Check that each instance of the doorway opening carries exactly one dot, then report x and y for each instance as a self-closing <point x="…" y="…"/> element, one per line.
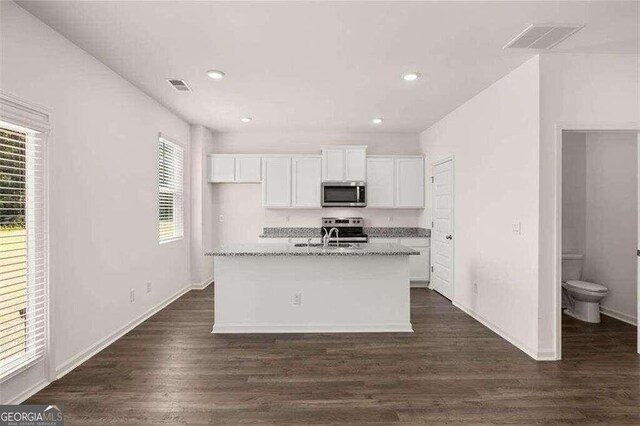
<point x="598" y="286"/>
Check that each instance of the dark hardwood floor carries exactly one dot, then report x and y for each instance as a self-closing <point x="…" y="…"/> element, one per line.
<point x="172" y="370"/>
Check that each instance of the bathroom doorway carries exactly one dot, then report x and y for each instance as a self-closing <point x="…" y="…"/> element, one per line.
<point x="599" y="242"/>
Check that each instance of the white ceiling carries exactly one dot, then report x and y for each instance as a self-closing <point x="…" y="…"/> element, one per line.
<point x="324" y="66"/>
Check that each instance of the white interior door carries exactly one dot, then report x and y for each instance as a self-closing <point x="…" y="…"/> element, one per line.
<point x="442" y="238"/>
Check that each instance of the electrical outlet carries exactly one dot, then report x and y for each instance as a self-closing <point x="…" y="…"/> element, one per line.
<point x="475" y="288"/>
<point x="297" y="298"/>
<point x="221" y="218"/>
<point x="132" y="296"/>
<point x="287" y="218"/>
<point x="148" y="286"/>
<point x="390" y="219"/>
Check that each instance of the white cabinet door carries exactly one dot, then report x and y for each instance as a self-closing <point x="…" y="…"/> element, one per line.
<point x="419" y="265"/>
<point x="356" y="164"/>
<point x="248" y="169"/>
<point x="333" y="164"/>
<point x="306" y="175"/>
<point x="410" y="182"/>
<point x="222" y="168"/>
<point x="276" y="185"/>
<point x="380" y="182"/>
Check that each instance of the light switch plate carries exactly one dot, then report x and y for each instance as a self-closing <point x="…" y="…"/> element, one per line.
<point x="516" y="228"/>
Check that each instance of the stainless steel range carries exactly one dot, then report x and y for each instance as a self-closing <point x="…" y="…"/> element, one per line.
<point x="344" y="230"/>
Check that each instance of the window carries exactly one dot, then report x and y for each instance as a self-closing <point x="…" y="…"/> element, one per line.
<point x="171" y="191"/>
<point x="23" y="273"/>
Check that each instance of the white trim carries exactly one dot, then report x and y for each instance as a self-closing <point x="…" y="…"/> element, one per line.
<point x="19" y="399"/>
<point x="538" y="356"/>
<point x="174" y="141"/>
<point x="312" y="328"/>
<point x="36" y="117"/>
<point x="23" y="113"/>
<point x="86" y="354"/>
<point x="557" y="222"/>
<point x="620" y="316"/>
<point x="204" y="284"/>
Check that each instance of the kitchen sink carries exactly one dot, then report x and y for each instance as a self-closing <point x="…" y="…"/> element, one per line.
<point x="330" y="247"/>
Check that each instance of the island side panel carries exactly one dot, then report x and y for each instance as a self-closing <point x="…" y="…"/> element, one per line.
<point x="254" y="294"/>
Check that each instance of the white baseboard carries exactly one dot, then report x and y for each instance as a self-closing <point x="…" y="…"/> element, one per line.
<point x="312" y="328"/>
<point x="202" y="285"/>
<point x="83" y="356"/>
<point x="19" y="399"/>
<point x="538" y="356"/>
<point x="419" y="284"/>
<point x="629" y="319"/>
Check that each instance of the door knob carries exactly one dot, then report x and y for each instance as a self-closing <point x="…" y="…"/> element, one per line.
<point x="449" y="237"/>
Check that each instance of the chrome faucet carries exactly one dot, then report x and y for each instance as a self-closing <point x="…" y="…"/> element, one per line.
<point x="327" y="237"/>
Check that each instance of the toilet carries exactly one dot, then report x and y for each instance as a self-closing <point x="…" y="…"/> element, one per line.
<point x="583" y="297"/>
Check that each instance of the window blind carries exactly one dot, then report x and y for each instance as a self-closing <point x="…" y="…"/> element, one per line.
<point x="23" y="257"/>
<point x="171" y="190"/>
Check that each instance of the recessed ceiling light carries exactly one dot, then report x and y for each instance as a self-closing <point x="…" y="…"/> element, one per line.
<point x="246" y="119"/>
<point x="411" y="76"/>
<point x="215" y="74"/>
<point x="377" y="120"/>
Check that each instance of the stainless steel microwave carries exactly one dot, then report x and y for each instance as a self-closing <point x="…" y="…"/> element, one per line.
<point x="344" y="194"/>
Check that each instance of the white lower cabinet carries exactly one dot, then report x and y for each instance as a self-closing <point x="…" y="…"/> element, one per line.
<point x="419" y="265"/>
<point x="276" y="185"/>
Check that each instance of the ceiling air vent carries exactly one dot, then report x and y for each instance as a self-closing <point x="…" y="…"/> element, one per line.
<point x="179" y="85"/>
<point x="542" y="36"/>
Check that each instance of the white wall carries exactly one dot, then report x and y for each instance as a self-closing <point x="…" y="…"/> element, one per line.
<point x="494" y="139"/>
<point x="103" y="190"/>
<point x="611" y="219"/>
<point x="580" y="91"/>
<point x="241" y="204"/>
<point x="201" y="207"/>
<point x="574" y="193"/>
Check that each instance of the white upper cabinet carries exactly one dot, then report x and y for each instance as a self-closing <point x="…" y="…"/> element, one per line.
<point x="356" y="164"/>
<point x="344" y="163"/>
<point x="333" y="164"/>
<point x="222" y="168"/>
<point x="248" y="169"/>
<point x="395" y="181"/>
<point x="306" y="180"/>
<point x="380" y="182"/>
<point x="409" y="182"/>
<point x="276" y="185"/>
<point x="234" y="168"/>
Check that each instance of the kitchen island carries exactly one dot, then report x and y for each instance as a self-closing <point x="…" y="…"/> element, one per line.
<point x="282" y="288"/>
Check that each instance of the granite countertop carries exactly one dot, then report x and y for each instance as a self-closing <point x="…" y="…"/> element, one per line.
<point x="373" y="232"/>
<point x="279" y="249"/>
